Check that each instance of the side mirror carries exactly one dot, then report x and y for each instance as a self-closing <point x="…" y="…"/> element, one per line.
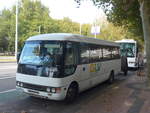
<point x="18" y="56"/>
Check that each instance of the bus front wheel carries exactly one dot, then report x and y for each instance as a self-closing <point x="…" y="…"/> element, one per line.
<point x="72" y="93"/>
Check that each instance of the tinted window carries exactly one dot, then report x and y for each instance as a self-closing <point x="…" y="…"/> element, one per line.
<point x="115" y="53"/>
<point x="107" y="53"/>
<point x="84" y="53"/>
<point x="70" y="54"/>
<point x="41" y="53"/>
<point x="41" y="58"/>
<point x="70" y="58"/>
<point x="95" y="53"/>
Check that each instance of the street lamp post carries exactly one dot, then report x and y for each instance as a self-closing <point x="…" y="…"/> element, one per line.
<point x="95" y="30"/>
<point x="80" y="28"/>
<point x="16" y="36"/>
<point x="40" y="29"/>
<point x="78" y="6"/>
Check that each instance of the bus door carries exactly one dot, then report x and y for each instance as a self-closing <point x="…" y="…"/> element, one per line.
<point x="70" y="60"/>
<point x="83" y="67"/>
<point x="76" y="64"/>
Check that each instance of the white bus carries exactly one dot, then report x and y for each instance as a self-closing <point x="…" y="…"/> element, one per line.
<point x="128" y="48"/>
<point x="58" y="66"/>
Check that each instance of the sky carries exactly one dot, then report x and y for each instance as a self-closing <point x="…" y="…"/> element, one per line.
<point x="86" y="13"/>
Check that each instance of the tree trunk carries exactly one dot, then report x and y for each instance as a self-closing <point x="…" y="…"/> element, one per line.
<point x="145" y="14"/>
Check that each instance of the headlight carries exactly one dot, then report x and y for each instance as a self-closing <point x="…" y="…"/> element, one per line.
<point x="53" y="90"/>
<point x="48" y="89"/>
<point x="18" y="83"/>
<point x="21" y="84"/>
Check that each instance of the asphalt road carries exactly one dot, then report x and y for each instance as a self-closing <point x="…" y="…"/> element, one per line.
<point x="90" y="101"/>
<point x="7" y="76"/>
<point x="7" y="69"/>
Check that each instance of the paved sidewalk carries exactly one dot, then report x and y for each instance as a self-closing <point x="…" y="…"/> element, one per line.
<point x="6" y="59"/>
<point x="131" y="96"/>
<point x="140" y="94"/>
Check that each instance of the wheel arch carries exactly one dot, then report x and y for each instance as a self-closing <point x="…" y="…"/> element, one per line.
<point x="74" y="83"/>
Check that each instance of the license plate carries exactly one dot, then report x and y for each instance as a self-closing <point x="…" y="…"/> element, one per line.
<point x="33" y="92"/>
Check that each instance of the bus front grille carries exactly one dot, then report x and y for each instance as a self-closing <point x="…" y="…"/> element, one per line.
<point x="34" y="87"/>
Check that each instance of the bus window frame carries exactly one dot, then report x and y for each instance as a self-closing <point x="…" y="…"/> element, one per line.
<point x="101" y="47"/>
<point x="76" y="58"/>
<point x="79" y="52"/>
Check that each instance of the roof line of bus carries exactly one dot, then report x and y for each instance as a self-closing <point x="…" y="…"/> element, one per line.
<point x="126" y="41"/>
<point x="71" y="37"/>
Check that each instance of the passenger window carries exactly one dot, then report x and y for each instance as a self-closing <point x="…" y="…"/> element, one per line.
<point x="84" y="54"/>
<point x="70" y="59"/>
<point x="107" y="53"/>
<point x="115" y="53"/>
<point x="70" y="54"/>
<point x="95" y="53"/>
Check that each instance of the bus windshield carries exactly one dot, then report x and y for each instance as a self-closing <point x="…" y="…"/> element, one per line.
<point x="41" y="58"/>
<point x="127" y="49"/>
<point x="41" y="53"/>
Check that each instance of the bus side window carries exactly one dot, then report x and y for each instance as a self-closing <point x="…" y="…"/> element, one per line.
<point x="95" y="53"/>
<point x="70" y="59"/>
<point x="70" y="54"/>
<point x="107" y="53"/>
<point x="84" y="53"/>
<point x="115" y="53"/>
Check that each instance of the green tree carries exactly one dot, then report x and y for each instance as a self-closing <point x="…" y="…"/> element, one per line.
<point x="135" y="15"/>
<point x="34" y="18"/>
<point x="67" y="26"/>
<point x="6" y="29"/>
<point x="86" y="29"/>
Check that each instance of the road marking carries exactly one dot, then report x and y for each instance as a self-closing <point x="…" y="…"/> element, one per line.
<point x="7" y="77"/>
<point x="7" y="91"/>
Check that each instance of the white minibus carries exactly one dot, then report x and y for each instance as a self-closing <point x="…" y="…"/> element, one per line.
<point x="58" y="66"/>
<point x="128" y="48"/>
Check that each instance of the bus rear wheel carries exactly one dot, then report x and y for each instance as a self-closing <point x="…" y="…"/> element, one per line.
<point x="111" y="78"/>
<point x="71" y="93"/>
<point x="125" y="72"/>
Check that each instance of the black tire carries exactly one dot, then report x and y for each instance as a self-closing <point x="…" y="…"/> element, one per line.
<point x="111" y="78"/>
<point x="125" y="72"/>
<point x="124" y="65"/>
<point x="72" y="93"/>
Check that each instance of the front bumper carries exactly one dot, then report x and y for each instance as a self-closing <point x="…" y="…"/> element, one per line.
<point x="42" y="94"/>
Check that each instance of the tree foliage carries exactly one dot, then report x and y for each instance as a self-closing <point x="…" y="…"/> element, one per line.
<point x="34" y="18"/>
<point x="134" y="15"/>
<point x="124" y="13"/>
